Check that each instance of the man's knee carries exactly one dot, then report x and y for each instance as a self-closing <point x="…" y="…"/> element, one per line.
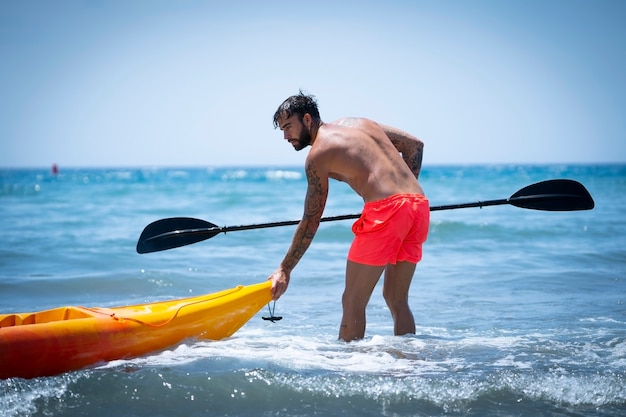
<point x="395" y="301"/>
<point x="353" y="302"/>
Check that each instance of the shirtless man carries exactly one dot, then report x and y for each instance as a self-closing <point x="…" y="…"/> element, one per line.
<point x="382" y="165"/>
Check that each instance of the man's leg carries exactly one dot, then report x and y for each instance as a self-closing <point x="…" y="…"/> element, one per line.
<point x="396" y="293"/>
<point x="360" y="282"/>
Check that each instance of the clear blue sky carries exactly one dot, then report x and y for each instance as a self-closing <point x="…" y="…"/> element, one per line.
<point x="177" y="83"/>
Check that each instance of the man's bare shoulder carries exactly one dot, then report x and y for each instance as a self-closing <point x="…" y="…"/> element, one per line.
<point x="334" y="138"/>
<point x="351" y="127"/>
<point x="355" y="122"/>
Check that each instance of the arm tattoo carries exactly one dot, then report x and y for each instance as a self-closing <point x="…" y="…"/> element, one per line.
<point x="411" y="148"/>
<point x="314" y="203"/>
<point x="416" y="165"/>
<point x="316" y="194"/>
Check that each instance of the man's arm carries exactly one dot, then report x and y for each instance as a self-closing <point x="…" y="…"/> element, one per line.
<point x="411" y="148"/>
<point x="314" y="203"/>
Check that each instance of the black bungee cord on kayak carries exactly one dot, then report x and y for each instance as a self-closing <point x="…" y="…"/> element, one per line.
<point x="271" y="309"/>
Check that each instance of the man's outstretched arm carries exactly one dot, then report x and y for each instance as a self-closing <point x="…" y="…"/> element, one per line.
<point x="314" y="203"/>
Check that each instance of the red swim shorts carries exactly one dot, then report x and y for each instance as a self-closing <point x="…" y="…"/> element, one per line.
<point x="391" y="230"/>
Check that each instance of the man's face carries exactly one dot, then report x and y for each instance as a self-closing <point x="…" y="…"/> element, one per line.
<point x="295" y="132"/>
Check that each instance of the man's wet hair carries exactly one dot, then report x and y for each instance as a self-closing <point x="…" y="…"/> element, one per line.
<point x="298" y="105"/>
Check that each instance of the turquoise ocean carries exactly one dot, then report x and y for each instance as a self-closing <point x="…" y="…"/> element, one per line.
<point x="518" y="312"/>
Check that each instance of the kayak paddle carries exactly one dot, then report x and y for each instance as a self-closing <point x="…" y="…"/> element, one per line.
<point x="550" y="195"/>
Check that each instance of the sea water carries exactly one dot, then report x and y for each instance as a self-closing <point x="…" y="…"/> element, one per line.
<point x="519" y="312"/>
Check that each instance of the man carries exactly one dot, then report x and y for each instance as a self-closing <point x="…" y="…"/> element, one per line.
<point x="382" y="165"/>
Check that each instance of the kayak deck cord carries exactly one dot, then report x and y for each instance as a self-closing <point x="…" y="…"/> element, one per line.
<point x="116" y="317"/>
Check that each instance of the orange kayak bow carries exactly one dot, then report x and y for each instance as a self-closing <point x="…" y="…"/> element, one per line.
<point x="53" y="341"/>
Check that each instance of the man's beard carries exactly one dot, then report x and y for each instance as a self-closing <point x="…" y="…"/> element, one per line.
<point x="303" y="141"/>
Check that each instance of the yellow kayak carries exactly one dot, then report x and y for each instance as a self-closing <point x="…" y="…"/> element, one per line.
<point x="53" y="341"/>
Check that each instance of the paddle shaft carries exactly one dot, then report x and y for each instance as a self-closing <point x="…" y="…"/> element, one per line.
<point x="283" y="223"/>
<point x="551" y="195"/>
<point x="224" y="229"/>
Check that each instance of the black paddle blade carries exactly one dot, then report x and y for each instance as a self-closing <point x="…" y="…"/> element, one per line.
<point x="174" y="232"/>
<point x="553" y="195"/>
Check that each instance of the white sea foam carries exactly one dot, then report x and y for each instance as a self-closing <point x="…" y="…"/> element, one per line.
<point x="280" y="174"/>
<point x="19" y="397"/>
